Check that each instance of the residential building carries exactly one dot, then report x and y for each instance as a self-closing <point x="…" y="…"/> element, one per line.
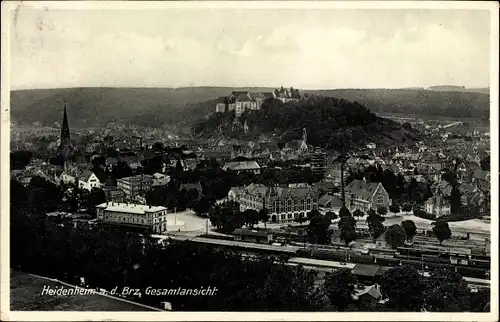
<point x="283" y="203"/>
<point x="89" y="180"/>
<point x="438" y="206"/>
<point x="369" y="295"/>
<point x="364" y="195"/>
<point x="133" y="215"/>
<point x="242" y="166"/>
<point x="133" y="186"/>
<point x="234" y="194"/>
<point x="160" y="179"/>
<point x="329" y="203"/>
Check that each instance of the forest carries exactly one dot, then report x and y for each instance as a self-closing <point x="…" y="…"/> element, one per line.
<point x="330" y="123"/>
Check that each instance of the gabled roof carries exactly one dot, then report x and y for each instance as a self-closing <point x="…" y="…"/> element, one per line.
<point x="333" y="200"/>
<point x="86" y="175"/>
<point x="372" y="291"/>
<point x="362" y="188"/>
<point x="365" y="270"/>
<point x="241" y="165"/>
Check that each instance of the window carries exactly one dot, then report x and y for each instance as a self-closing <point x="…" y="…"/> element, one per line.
<point x="380" y="199"/>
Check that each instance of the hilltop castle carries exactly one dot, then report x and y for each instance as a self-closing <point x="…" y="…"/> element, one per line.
<point x="241" y="101"/>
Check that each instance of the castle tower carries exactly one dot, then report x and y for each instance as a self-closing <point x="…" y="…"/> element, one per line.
<point x="65" y="146"/>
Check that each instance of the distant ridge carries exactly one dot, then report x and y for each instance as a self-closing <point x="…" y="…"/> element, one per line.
<point x="184" y="106"/>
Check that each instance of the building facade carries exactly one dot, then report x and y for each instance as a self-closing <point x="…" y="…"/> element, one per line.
<point x="363" y="195"/>
<point x="437" y="206"/>
<point x="133" y="215"/>
<point x="133" y="186"/>
<point x="88" y="180"/>
<point x="283" y="203"/>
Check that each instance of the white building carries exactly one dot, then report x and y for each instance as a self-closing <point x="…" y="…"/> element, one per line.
<point x="133" y="215"/>
<point x="89" y="180"/>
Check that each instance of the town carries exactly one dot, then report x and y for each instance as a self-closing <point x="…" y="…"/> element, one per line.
<point x="357" y="217"/>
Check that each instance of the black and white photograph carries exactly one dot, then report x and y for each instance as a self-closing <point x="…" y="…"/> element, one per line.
<point x="311" y="158"/>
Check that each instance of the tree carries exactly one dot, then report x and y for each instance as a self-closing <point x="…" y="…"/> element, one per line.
<point x="202" y="207"/>
<point x="358" y="213"/>
<point x="394" y="209"/>
<point x="158" y="146"/>
<point x="446" y="291"/>
<point x="347" y="226"/>
<point x="318" y="230"/>
<point x="485" y="163"/>
<point x="382" y="211"/>
<point x="404" y="287"/>
<point x="441" y="230"/>
<point x="331" y="215"/>
<point x="409" y="228"/>
<point x="375" y="224"/>
<point x="339" y="287"/>
<point x="344" y="212"/>
<point x="480" y="301"/>
<point x="94" y="198"/>
<point x="264" y="216"/>
<point x="251" y="217"/>
<point x="395" y="236"/>
<point x="455" y="200"/>
<point x="406" y="208"/>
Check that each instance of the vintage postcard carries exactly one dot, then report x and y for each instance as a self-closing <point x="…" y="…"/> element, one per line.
<point x="249" y="160"/>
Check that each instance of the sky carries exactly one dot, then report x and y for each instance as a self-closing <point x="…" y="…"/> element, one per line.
<point x="303" y="48"/>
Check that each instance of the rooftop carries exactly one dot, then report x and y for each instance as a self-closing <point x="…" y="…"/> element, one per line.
<point x="130" y="208"/>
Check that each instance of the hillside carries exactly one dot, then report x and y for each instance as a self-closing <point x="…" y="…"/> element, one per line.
<point x="424" y="102"/>
<point x="330" y="123"/>
<point x="88" y="107"/>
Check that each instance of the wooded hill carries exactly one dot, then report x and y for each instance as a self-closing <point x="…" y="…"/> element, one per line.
<point x="330" y="123"/>
<point x="88" y="107"/>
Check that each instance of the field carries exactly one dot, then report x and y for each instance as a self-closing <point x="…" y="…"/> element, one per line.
<point x="26" y="295"/>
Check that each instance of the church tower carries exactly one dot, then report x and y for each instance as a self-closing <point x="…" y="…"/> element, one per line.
<point x="304" y="135"/>
<point x="65" y="146"/>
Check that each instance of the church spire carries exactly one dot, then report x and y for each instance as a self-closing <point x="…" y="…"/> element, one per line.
<point x="65" y="127"/>
<point x="65" y="147"/>
<point x="304" y="135"/>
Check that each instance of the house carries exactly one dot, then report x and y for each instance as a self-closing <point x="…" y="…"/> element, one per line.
<point x="438" y="206"/>
<point x="364" y="195"/>
<point x="443" y="188"/>
<point x="368" y="295"/>
<point x="253" y="236"/>
<point x="329" y="203"/>
<point x="371" y="146"/>
<point x="88" y="180"/>
<point x="242" y="166"/>
<point x="234" y="194"/>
